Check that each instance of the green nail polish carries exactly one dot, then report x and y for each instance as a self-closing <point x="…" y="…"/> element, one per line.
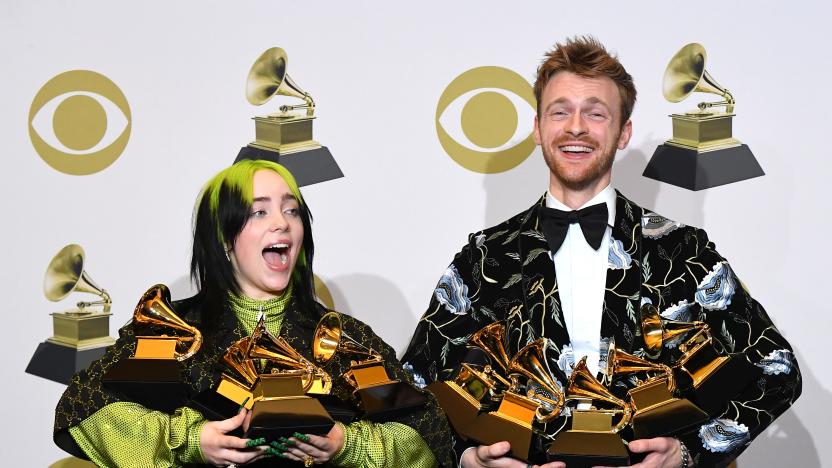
<point x="279" y="446"/>
<point x="302" y="437"/>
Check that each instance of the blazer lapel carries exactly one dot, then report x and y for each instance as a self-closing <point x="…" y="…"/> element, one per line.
<point x="542" y="315"/>
<point x="622" y="295"/>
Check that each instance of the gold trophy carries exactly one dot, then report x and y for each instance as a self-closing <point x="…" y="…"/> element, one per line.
<point x="657" y="411"/>
<point x="593" y="438"/>
<point x="377" y="394"/>
<point x="469" y="398"/>
<point x="712" y="375"/>
<point x="703" y="152"/>
<point x="152" y="375"/>
<point x="80" y="335"/>
<point x="285" y="137"/>
<point x="280" y="403"/>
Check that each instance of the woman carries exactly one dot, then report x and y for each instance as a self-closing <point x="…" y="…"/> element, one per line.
<point x="252" y="254"/>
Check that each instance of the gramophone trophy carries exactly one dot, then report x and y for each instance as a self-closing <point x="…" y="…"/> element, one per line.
<point x="470" y="399"/>
<point x="593" y="438"/>
<point x="80" y="335"/>
<point x="285" y="137"/>
<point x="703" y="152"/>
<point x="152" y="375"/>
<point x="267" y="375"/>
<point x="377" y="394"/>
<point x="712" y="375"/>
<point x="657" y="411"/>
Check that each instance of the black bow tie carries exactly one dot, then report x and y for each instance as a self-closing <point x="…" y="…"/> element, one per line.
<point x="555" y="223"/>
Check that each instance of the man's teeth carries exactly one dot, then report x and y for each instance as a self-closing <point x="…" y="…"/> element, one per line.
<point x="576" y="149"/>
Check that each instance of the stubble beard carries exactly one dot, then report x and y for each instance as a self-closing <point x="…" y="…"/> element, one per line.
<point x="580" y="179"/>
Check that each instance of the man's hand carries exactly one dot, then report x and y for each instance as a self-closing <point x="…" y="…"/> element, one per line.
<point x="220" y="449"/>
<point x="494" y="456"/>
<point x="662" y="452"/>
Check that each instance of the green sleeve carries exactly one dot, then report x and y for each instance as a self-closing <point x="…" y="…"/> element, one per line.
<point x="122" y="434"/>
<point x="368" y="444"/>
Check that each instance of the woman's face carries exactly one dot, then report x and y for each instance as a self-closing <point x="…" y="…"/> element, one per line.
<point x="266" y="250"/>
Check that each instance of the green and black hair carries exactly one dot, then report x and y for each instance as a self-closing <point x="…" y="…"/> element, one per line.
<point x="222" y="210"/>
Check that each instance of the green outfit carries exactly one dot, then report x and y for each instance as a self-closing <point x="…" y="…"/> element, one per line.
<point x="115" y="433"/>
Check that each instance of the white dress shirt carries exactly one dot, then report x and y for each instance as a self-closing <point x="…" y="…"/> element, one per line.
<point x="582" y="277"/>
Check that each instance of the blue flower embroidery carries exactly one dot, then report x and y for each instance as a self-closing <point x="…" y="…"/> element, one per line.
<point x="418" y="380"/>
<point x="679" y="311"/>
<point x="723" y="435"/>
<point x="618" y="259"/>
<point x="655" y="226"/>
<point x="717" y="288"/>
<point x="779" y="361"/>
<point x="566" y="360"/>
<point x="452" y="292"/>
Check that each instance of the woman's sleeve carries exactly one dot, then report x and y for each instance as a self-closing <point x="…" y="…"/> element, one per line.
<point x="368" y="444"/>
<point x="122" y="434"/>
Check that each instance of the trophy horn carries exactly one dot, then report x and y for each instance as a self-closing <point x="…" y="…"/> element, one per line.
<point x="621" y="362"/>
<point x="283" y="357"/>
<point x="658" y="331"/>
<point x="154" y="309"/>
<point x="66" y="274"/>
<point x="330" y="338"/>
<point x="268" y="78"/>
<point x="686" y="74"/>
<point x="584" y="386"/>
<point x="236" y="362"/>
<point x="491" y="340"/>
<point x="531" y="362"/>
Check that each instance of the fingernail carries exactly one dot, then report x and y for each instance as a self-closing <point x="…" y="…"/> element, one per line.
<point x="256" y="442"/>
<point x="302" y="437"/>
<point x="279" y="446"/>
<point x="286" y="441"/>
<point x="274" y="451"/>
<point x="243" y="404"/>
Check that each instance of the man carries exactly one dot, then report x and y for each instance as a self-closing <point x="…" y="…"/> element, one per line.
<point x="567" y="284"/>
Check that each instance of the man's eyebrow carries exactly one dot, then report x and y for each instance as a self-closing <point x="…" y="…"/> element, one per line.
<point x="595" y="100"/>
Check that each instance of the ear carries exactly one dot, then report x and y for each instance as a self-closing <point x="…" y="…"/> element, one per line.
<point x="626" y="133"/>
<point x="536" y="130"/>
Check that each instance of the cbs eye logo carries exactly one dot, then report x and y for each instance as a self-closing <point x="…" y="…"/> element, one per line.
<point x="484" y="119"/>
<point x="79" y="122"/>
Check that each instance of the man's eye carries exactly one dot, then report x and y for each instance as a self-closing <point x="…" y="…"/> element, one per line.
<point x="597" y="116"/>
<point x="557" y="115"/>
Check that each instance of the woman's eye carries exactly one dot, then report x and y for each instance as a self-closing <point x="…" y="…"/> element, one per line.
<point x="258" y="213"/>
<point x="291" y="211"/>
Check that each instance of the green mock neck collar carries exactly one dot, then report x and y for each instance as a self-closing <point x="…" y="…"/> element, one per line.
<point x="248" y="310"/>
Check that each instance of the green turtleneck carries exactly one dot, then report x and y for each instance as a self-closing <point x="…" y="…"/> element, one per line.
<point x="248" y="310"/>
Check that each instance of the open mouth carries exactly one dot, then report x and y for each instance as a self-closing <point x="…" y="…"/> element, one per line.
<point x="277" y="254"/>
<point x="576" y="149"/>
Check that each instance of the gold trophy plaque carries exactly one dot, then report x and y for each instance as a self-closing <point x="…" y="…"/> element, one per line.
<point x="286" y="136"/>
<point x="80" y="335"/>
<point x="703" y="152"/>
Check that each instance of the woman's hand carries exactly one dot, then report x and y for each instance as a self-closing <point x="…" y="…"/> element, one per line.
<point x="495" y="456"/>
<point x="662" y="452"/>
<point x="220" y="449"/>
<point x="311" y="449"/>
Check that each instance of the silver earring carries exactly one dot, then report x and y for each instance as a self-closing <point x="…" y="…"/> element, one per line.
<point x="227" y="257"/>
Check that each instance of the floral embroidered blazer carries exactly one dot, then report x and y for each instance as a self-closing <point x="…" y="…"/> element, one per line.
<point x="505" y="273"/>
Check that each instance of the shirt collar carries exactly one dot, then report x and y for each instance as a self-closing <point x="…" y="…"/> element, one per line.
<point x="604" y="196"/>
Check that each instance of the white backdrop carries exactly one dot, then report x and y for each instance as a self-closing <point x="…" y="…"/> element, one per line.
<point x="386" y="231"/>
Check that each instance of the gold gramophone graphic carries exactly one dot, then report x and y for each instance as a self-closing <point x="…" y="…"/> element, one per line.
<point x="152" y="375"/>
<point x="80" y="335"/>
<point x="657" y="411"/>
<point x="469" y="398"/>
<point x="703" y="152"/>
<point x="286" y="136"/>
<point x="593" y="438"/>
<point x="712" y="375"/>
<point x="377" y="394"/>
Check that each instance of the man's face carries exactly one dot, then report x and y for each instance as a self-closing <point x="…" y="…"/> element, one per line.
<point x="579" y="130"/>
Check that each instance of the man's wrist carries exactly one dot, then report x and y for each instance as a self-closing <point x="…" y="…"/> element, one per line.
<point x="685" y="455"/>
